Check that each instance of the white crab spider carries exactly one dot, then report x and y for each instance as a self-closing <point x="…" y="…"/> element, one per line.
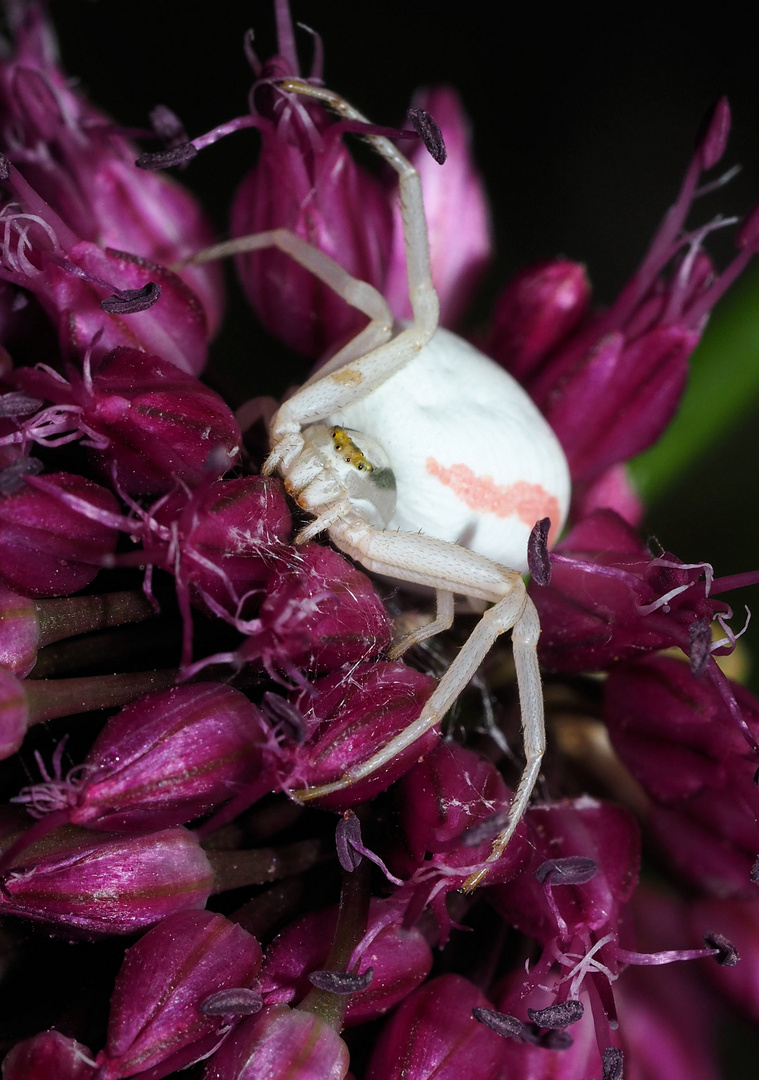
<point x="426" y="462"/>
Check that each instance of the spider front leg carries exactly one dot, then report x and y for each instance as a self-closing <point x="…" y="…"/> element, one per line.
<point x="449" y="569"/>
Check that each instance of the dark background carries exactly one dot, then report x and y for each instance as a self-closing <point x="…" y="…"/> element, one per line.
<point x="583" y="127"/>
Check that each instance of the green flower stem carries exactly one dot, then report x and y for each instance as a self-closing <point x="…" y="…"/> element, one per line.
<point x="351" y="927"/>
<point x="239" y="869"/>
<point x="71" y="615"/>
<point x="47" y="699"/>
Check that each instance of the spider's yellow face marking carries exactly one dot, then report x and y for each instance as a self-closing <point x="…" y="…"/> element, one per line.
<point x="348" y="450"/>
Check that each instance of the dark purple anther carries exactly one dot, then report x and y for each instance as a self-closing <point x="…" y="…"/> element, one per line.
<point x="166" y="159"/>
<point x="237" y="1001"/>
<point x="755" y="868"/>
<point x="700" y="633"/>
<point x="341" y="982"/>
<point x="557" y="1016"/>
<point x="612" y="1063"/>
<point x="130" y="301"/>
<point x="538" y="559"/>
<point x="574" y="870"/>
<point x="348" y="841"/>
<point x="428" y="129"/>
<point x="510" y="1027"/>
<point x="5" y="168"/>
<point x="713" y="131"/>
<point x="18" y="403"/>
<point x="727" y="954"/>
<point x="12" y="476"/>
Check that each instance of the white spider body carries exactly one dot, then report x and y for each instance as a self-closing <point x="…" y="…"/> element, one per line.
<point x="474" y="461"/>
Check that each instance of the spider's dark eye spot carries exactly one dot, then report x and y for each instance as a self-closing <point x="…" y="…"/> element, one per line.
<point x="360" y="468"/>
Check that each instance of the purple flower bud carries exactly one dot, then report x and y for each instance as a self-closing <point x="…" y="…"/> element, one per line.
<point x="676" y="735"/>
<point x="48" y="1055"/>
<point x="604" y="836"/>
<point x="82" y="165"/>
<point x="229" y="539"/>
<point x="55" y="533"/>
<point x="281" y="1044"/>
<point x="164" y="760"/>
<point x="320" y="612"/>
<point x="86" y="886"/>
<point x="621" y="399"/>
<point x="458" y="216"/>
<point x="453" y="805"/>
<point x="535" y="312"/>
<point x="433" y="1034"/>
<point x="306" y="181"/>
<point x="400" y="959"/>
<point x="352" y="714"/>
<point x="145" y="419"/>
<point x="712" y="138"/>
<point x="156" y="1020"/>
<point x="19" y="632"/>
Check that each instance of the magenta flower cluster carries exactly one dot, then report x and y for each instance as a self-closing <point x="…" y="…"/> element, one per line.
<point x="199" y="664"/>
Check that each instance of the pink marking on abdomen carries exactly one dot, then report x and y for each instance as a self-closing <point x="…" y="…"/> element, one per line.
<point x="530" y="502"/>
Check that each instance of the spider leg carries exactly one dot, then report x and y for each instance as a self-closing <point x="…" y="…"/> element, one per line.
<point x="359" y="294"/>
<point x="333" y="387"/>
<point x="449" y="568"/>
<point x="443" y="621"/>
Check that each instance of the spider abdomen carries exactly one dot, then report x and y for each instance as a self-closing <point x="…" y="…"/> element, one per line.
<point x="474" y="460"/>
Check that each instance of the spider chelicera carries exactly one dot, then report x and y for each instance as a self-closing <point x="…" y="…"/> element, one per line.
<point x="425" y="462"/>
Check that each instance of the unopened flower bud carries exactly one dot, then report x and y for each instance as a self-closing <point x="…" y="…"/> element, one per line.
<point x="145" y="419"/>
<point x="156" y="1020"/>
<point x="164" y="760"/>
<point x="352" y="714"/>
<point x="49" y="1054"/>
<point x="460" y="1047"/>
<point x="676" y="735"/>
<point x="453" y="805"/>
<point x="320" y="612"/>
<point x="535" y="312"/>
<point x="230" y="539"/>
<point x="55" y="533"/>
<point x="86" y="886"/>
<point x="621" y="399"/>
<point x="281" y="1044"/>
